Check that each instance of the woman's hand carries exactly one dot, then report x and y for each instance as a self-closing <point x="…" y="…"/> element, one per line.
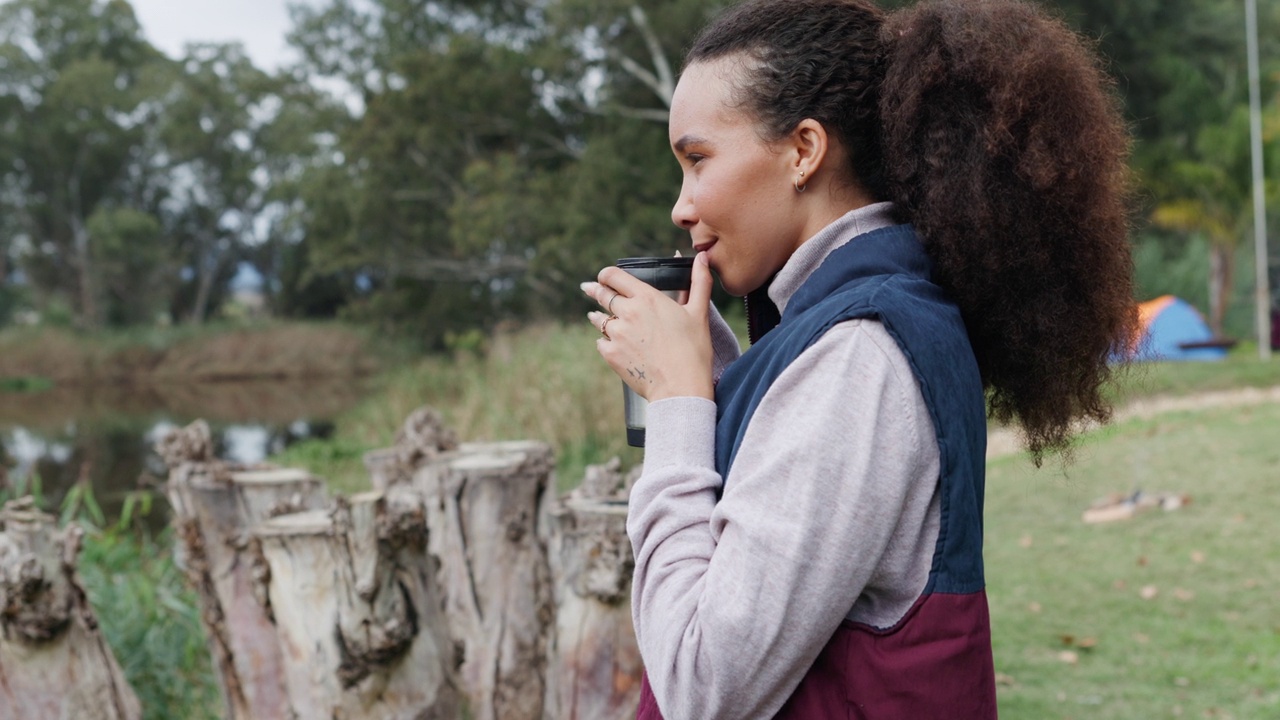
<point x="660" y="348"/>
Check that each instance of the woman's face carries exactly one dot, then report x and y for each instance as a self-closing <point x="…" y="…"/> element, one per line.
<point x="737" y="199"/>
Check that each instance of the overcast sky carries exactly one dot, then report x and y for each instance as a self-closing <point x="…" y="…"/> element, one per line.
<point x="259" y="24"/>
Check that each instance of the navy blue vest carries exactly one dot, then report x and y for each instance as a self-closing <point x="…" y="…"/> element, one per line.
<point x="936" y="662"/>
<point x="885" y="275"/>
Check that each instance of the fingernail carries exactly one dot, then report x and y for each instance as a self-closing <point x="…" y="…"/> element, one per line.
<point x="586" y="287"/>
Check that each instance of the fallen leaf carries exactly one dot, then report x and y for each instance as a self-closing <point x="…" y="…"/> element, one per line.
<point x="1067" y="640"/>
<point x="1002" y="679"/>
<point x="1142" y="561"/>
<point x="1068" y="657"/>
<point x="1087" y="643"/>
<point x="1197" y="557"/>
<point x="1025" y="541"/>
<point x="1149" y="592"/>
<point x="1183" y="595"/>
<point x="1119" y="584"/>
<point x="1034" y="607"/>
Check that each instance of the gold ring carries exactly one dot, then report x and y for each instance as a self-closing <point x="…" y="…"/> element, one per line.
<point x="610" y="305"/>
<point x="605" y="325"/>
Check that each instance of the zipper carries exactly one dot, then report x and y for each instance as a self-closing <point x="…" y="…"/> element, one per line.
<point x="762" y="314"/>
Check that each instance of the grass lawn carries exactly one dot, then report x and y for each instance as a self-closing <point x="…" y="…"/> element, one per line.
<point x="1165" y="615"/>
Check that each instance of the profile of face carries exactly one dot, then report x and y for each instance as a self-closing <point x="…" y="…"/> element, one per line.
<point x="737" y="199"/>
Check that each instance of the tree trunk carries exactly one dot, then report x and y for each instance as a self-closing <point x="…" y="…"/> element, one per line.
<point x="1221" y="279"/>
<point x="484" y="509"/>
<point x="356" y="612"/>
<point x="205" y="277"/>
<point x="213" y="511"/>
<point x="594" y="662"/>
<point x="54" y="662"/>
<point x="85" y="278"/>
<point x="432" y="592"/>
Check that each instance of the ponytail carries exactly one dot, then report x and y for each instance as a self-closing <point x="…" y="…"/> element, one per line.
<point x="993" y="129"/>
<point x="1005" y="147"/>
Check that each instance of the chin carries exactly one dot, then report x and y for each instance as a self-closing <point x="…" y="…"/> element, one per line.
<point x="734" y="289"/>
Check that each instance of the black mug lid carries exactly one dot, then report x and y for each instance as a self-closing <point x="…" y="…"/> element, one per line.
<point x="664" y="273"/>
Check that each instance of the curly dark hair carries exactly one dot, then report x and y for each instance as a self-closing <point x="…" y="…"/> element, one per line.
<point x="995" y="131"/>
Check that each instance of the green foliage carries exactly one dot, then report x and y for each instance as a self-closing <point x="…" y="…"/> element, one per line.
<point x="469" y="162"/>
<point x="73" y="107"/>
<point x="131" y="253"/>
<point x="339" y="461"/>
<point x="149" y="616"/>
<point x="151" y="620"/>
<point x="25" y="384"/>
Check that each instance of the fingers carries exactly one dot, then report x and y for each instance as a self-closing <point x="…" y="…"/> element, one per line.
<point x="597" y="319"/>
<point x="700" y="285"/>
<point x="604" y="296"/>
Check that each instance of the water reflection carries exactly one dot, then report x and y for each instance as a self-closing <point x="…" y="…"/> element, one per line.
<point x="106" y="434"/>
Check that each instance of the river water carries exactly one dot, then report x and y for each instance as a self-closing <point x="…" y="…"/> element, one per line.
<point x="106" y="433"/>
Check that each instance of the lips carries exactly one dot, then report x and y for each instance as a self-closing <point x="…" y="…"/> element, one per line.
<point x="703" y="247"/>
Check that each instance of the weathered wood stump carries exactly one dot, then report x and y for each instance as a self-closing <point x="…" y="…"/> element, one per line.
<point x="595" y="667"/>
<point x="214" y="507"/>
<point x="356" y="613"/>
<point x="484" y="507"/>
<point x="54" y="662"/>
<point x="456" y="586"/>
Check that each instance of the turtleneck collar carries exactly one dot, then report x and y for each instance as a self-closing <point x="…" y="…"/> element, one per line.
<point x="806" y="259"/>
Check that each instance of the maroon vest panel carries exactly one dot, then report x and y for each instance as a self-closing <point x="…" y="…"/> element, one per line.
<point x="935" y="663"/>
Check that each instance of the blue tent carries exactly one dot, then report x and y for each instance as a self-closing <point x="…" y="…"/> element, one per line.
<point x="1174" y="330"/>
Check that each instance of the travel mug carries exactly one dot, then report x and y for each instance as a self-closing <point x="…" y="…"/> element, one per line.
<point x="672" y="276"/>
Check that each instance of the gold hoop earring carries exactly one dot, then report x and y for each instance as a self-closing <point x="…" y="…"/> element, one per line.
<point x="799" y="188"/>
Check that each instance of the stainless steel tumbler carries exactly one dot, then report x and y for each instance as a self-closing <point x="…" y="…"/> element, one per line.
<point x="672" y="276"/>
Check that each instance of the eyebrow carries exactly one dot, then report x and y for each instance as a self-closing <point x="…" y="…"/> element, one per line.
<point x="686" y="141"/>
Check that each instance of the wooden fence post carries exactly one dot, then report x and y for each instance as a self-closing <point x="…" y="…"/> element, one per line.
<point x="484" y="505"/>
<point x="54" y="662"/>
<point x="214" y="508"/>
<point x="356" y="613"/>
<point x="595" y="666"/>
<point x="457" y="585"/>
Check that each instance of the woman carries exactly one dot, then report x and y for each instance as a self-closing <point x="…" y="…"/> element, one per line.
<point x="923" y="209"/>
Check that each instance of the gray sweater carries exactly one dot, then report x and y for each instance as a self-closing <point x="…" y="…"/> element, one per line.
<point x="830" y="513"/>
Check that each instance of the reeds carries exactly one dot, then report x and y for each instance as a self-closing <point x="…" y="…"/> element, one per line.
<point x="544" y="382"/>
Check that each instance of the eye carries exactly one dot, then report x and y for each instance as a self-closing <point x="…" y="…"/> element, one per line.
<point x="695" y="158"/>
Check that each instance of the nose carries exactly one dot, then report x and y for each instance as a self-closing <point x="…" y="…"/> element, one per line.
<point x="683" y="213"/>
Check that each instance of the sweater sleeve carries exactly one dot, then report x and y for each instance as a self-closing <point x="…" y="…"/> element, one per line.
<point x="733" y="601"/>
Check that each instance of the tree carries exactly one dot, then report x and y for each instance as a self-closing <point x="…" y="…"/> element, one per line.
<point x="1211" y="194"/>
<point x="72" y="81"/>
<point x="216" y="113"/>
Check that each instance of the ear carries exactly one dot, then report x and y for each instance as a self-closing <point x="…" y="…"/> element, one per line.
<point x="810" y="144"/>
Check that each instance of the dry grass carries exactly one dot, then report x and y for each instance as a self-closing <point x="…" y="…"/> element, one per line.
<point x="544" y="382"/>
<point x="275" y="350"/>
